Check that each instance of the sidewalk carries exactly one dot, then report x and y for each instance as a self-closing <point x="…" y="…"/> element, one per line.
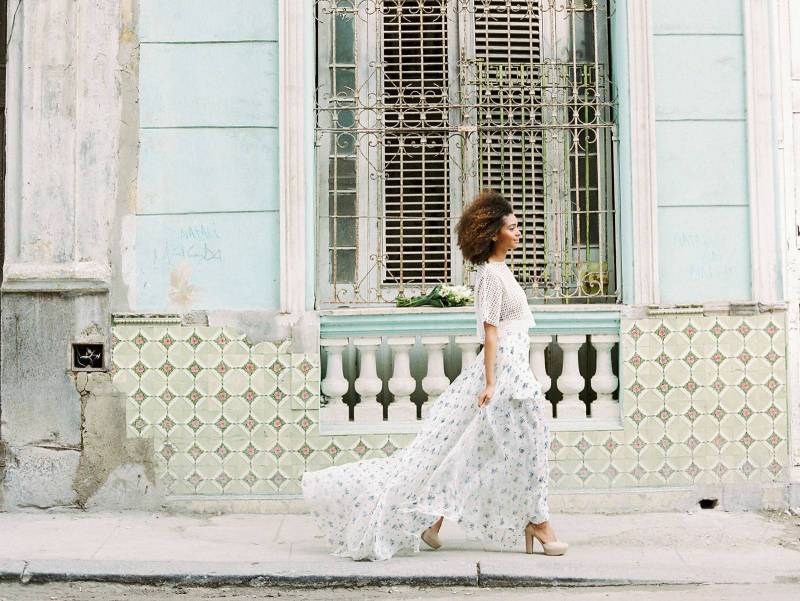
<point x="656" y="548"/>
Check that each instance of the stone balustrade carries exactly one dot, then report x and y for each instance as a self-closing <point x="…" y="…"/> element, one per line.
<point x="387" y="384"/>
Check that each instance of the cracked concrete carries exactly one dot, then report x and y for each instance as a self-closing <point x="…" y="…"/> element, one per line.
<point x="115" y="472"/>
<point x="64" y="433"/>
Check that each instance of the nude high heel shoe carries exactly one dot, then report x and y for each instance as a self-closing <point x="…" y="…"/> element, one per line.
<point x="431" y="539"/>
<point x="554" y="548"/>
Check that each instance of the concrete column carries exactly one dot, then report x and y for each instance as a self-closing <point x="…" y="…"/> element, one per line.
<point x="785" y="37"/>
<point x="294" y="140"/>
<point x="63" y="115"/>
<point x="644" y="207"/>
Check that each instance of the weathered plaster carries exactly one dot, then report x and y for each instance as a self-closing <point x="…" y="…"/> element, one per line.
<point x="40" y="404"/>
<point x="270" y="326"/>
<point x="123" y="282"/>
<point x="114" y="472"/>
<point x="41" y="419"/>
<point x="67" y="68"/>
<point x="42" y="477"/>
<point x="63" y="116"/>
<point x="64" y="436"/>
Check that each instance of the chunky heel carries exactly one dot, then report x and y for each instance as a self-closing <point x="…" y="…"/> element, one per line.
<point x="553" y="548"/>
<point x="431" y="538"/>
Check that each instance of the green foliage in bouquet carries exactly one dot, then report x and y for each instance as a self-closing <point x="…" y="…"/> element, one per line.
<point x="442" y="295"/>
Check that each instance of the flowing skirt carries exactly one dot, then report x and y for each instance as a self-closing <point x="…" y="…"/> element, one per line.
<point x="482" y="467"/>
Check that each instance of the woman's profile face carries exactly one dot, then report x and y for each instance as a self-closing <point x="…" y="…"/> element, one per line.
<point x="509" y="235"/>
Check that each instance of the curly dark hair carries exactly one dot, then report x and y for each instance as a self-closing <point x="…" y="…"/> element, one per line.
<point x="480" y="221"/>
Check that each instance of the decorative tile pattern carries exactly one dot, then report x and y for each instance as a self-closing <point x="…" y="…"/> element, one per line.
<point x="704" y="401"/>
<point x="227" y="416"/>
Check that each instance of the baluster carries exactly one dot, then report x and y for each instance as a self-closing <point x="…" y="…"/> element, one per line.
<point x="435" y="381"/>
<point x="402" y="384"/>
<point x="571" y="382"/>
<point x="604" y="382"/>
<point x="469" y="350"/>
<point x="368" y="384"/>
<point x="539" y="343"/>
<point x="335" y="385"/>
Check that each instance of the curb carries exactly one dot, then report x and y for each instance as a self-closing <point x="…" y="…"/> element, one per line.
<point x="29" y="574"/>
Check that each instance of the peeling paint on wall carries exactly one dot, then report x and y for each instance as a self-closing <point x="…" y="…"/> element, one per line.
<point x="181" y="291"/>
<point x="114" y="472"/>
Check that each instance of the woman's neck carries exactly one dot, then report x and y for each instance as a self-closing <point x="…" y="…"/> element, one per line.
<point x="498" y="256"/>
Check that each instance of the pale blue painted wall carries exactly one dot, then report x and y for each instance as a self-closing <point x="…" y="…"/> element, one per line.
<point x="207" y="234"/>
<point x="701" y="151"/>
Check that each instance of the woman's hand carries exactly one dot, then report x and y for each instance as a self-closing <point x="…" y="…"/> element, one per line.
<point x="489" y="351"/>
<point x="486" y="395"/>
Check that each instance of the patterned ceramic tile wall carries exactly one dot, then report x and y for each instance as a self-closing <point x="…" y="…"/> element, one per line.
<point x="704" y="401"/>
<point x="226" y="416"/>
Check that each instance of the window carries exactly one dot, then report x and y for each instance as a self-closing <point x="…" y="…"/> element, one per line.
<point x="421" y="103"/>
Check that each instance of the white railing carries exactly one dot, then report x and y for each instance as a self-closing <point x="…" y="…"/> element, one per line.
<point x="391" y="380"/>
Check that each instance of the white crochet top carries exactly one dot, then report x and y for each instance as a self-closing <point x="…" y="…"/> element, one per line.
<point x="500" y="300"/>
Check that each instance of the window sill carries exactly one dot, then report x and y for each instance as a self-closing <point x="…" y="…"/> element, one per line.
<point x="554" y="425"/>
<point x="469" y="309"/>
<point x="394" y="321"/>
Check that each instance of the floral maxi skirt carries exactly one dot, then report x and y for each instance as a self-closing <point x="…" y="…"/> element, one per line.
<point x="482" y="467"/>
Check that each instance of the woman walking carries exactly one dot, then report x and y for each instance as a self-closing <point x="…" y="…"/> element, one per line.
<point x="480" y="459"/>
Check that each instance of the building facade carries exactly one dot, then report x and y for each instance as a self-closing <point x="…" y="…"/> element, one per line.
<point x="212" y="207"/>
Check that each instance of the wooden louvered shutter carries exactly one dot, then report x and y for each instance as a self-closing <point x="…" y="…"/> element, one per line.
<point x="416" y="189"/>
<point x="506" y="79"/>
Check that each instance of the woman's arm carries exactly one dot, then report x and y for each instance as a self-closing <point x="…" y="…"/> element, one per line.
<point x="489" y="351"/>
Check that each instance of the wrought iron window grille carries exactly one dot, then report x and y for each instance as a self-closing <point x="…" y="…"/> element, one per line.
<point x="422" y="103"/>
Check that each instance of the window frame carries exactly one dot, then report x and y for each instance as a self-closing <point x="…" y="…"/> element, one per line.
<point x="369" y="196"/>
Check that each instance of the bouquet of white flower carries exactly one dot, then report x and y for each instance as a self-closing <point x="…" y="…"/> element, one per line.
<point x="442" y="295"/>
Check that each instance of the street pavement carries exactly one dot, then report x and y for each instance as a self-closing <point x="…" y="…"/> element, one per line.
<point x="698" y="547"/>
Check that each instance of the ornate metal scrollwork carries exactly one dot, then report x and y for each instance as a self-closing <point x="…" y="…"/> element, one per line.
<point x="423" y="102"/>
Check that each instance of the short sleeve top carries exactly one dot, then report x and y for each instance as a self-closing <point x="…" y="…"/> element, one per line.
<point x="499" y="299"/>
